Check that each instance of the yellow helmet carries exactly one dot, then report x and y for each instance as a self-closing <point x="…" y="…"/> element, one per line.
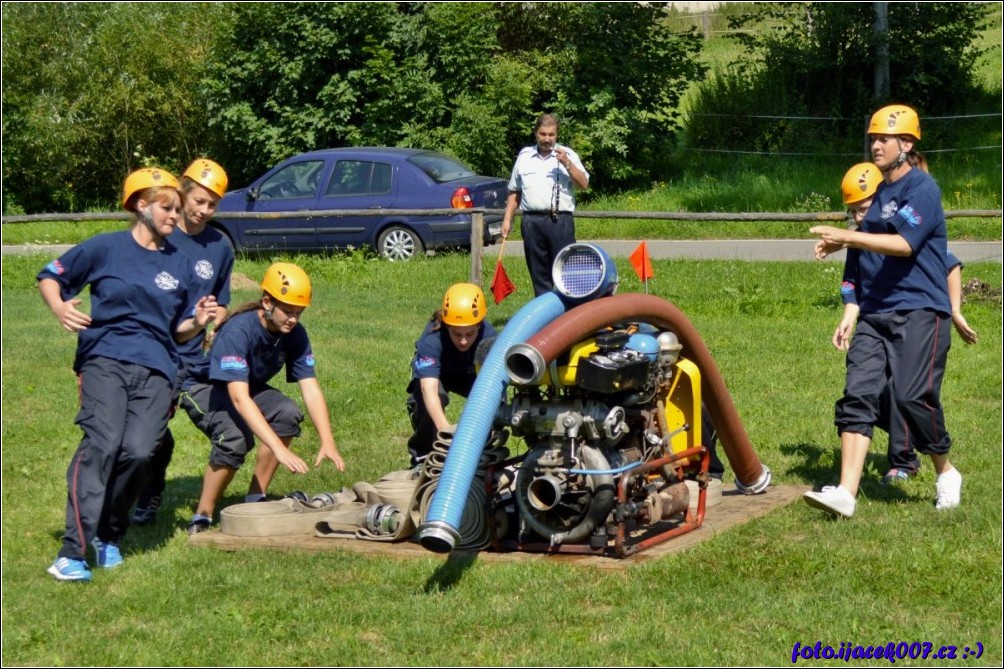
<point x="208" y="174"/>
<point x="148" y="177"/>
<point x="287" y="283"/>
<point x="860" y="182"/>
<point x="895" y="120"/>
<point x="464" y="305"/>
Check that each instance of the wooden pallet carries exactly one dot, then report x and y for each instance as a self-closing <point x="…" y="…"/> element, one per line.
<point x="733" y="510"/>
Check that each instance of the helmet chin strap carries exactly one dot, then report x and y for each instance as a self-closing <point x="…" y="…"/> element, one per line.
<point x="146" y="217"/>
<point x="902" y="158"/>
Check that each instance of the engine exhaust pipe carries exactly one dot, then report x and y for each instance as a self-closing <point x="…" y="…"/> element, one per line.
<point x="544" y="492"/>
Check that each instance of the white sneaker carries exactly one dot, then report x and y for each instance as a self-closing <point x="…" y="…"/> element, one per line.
<point x="949" y="487"/>
<point x="833" y="499"/>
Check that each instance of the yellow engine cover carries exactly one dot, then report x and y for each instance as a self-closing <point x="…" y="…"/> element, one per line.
<point x="683" y="406"/>
<point x="566" y="372"/>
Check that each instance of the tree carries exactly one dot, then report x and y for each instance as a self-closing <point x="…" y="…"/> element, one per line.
<point x="92" y="91"/>
<point x="293" y="77"/>
<point x="625" y="75"/>
<point x="467" y="78"/>
<point x="819" y="59"/>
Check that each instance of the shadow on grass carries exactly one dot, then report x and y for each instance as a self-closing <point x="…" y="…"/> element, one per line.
<point x="450" y="572"/>
<point x="820" y="466"/>
<point x="181" y="493"/>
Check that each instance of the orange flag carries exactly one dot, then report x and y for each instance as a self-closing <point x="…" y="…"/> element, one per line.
<point x="501" y="286"/>
<point x="642" y="263"/>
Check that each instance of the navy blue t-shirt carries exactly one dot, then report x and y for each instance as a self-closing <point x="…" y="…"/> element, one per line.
<point x="138" y="298"/>
<point x="244" y="350"/>
<point x="910" y="207"/>
<point x="212" y="261"/>
<point x="437" y="358"/>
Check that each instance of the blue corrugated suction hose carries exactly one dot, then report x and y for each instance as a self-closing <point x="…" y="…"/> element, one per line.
<point x="439" y="532"/>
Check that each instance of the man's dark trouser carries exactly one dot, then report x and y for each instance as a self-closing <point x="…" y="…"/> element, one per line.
<point x="543" y="236"/>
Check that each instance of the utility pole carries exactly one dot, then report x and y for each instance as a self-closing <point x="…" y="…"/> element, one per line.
<point x="880" y="32"/>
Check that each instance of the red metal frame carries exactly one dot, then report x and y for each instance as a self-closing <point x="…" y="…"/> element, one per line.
<point x="623" y="545"/>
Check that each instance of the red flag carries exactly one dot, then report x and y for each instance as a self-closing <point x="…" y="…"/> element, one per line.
<point x="642" y="263"/>
<point x="502" y="287"/>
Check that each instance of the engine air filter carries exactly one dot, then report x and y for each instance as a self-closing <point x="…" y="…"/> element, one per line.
<point x="583" y="272"/>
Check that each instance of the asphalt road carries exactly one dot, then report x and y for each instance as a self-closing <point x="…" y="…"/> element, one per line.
<point x="748" y="249"/>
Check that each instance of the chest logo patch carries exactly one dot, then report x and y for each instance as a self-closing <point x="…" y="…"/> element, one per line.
<point x="165" y="281"/>
<point x="204" y="269"/>
<point x="889" y="209"/>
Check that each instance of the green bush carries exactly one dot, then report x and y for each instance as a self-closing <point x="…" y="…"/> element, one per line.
<point x="817" y="60"/>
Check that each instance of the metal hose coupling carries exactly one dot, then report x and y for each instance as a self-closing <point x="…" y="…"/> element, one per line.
<point x="525" y="365"/>
<point x="383" y="519"/>
<point x="758" y="486"/>
<point x="323" y="499"/>
<point x="437" y="536"/>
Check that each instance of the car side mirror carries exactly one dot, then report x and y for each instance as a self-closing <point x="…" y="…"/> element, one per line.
<point x="252" y="193"/>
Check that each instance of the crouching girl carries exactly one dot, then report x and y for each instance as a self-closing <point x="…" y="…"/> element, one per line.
<point x="234" y="404"/>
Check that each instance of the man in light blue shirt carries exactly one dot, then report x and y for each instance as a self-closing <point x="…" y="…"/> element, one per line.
<point x="541" y="187"/>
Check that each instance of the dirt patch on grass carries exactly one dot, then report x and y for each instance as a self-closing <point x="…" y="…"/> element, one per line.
<point x="240" y="281"/>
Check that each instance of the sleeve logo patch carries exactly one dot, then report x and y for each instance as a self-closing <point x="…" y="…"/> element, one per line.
<point x="911" y="216"/>
<point x="233" y="362"/>
<point x="425" y="361"/>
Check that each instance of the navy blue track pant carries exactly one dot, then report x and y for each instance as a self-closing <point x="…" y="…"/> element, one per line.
<point x="905" y="351"/>
<point x="123" y="413"/>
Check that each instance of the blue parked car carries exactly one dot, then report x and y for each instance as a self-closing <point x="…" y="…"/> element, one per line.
<point x="363" y="178"/>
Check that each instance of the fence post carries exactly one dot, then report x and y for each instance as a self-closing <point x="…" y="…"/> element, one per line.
<point x="477" y="246"/>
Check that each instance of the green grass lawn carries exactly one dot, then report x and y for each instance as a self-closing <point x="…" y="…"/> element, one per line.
<point x="898" y="571"/>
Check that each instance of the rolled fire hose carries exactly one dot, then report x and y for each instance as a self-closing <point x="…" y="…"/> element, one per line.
<point x="281" y="517"/>
<point x="378" y="512"/>
<point x="473" y="528"/>
<point x="388" y="510"/>
<point x="410" y="491"/>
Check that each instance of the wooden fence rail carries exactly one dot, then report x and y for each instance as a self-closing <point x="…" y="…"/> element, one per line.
<point x="626" y="215"/>
<point x="477" y="219"/>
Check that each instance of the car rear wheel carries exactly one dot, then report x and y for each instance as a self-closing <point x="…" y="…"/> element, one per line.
<point x="226" y="236"/>
<point x="399" y="243"/>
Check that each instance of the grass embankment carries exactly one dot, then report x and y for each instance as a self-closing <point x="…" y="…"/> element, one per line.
<point x="898" y="571"/>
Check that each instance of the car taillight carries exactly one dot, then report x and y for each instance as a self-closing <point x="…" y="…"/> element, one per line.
<point x="462" y="199"/>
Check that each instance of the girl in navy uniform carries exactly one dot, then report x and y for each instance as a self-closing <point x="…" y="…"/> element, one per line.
<point x="232" y="403"/>
<point x="897" y="269"/>
<point x="444" y="363"/>
<point x="203" y="184"/>
<point x="858" y="187"/>
<point x="126" y="360"/>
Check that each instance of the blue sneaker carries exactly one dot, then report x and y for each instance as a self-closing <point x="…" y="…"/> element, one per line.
<point x="68" y="569"/>
<point x="896" y="475"/>
<point x="108" y="554"/>
<point x="199" y="524"/>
